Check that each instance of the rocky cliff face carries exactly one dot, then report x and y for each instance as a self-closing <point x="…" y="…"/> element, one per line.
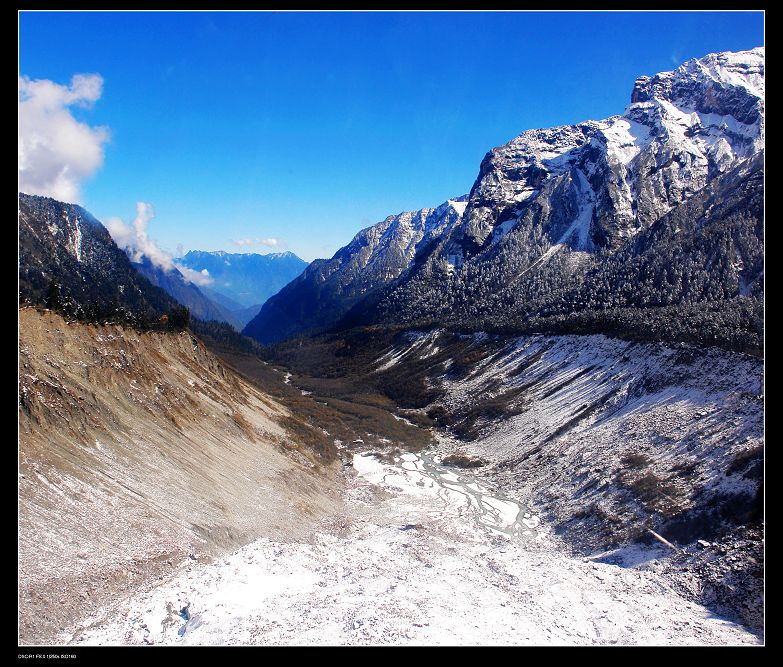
<point x="603" y="180"/>
<point x="566" y="220"/>
<point x="548" y="207"/>
<point x="695" y="274"/>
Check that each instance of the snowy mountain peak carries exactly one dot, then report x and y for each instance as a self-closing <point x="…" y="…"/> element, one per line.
<point x="681" y="129"/>
<point x="590" y="187"/>
<point x="717" y="72"/>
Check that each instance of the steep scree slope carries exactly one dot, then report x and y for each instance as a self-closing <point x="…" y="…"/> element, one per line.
<point x="136" y="450"/>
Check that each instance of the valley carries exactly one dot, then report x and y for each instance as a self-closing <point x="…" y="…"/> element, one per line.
<point x="411" y="562"/>
<point x="548" y="536"/>
<point x="531" y="415"/>
<point x="612" y="443"/>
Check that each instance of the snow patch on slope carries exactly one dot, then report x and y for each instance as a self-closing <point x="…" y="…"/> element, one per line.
<point x="411" y="565"/>
<point x="625" y="139"/>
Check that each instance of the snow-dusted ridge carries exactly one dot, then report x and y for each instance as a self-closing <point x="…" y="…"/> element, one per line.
<point x="609" y="440"/>
<point x="680" y="130"/>
<point x="375" y="257"/>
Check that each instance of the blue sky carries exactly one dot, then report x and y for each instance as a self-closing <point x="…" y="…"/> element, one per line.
<point x="306" y="127"/>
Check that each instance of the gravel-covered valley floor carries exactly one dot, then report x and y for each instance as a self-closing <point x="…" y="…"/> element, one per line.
<point x="424" y="554"/>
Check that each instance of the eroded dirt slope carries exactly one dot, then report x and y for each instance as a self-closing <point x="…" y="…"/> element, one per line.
<point x="137" y="450"/>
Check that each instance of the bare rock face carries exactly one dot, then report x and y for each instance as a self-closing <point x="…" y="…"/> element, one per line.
<point x="546" y="207"/>
<point x="681" y="129"/>
<point x="728" y="84"/>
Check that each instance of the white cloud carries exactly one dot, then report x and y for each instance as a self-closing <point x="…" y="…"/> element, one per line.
<point x="242" y="242"/>
<point x="56" y="151"/>
<point x="135" y="241"/>
<point x="273" y="243"/>
<point x="200" y="278"/>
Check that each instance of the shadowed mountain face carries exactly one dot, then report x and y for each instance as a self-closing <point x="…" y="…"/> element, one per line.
<point x="695" y="275"/>
<point x="556" y="213"/>
<point x="175" y="284"/>
<point x="62" y="244"/>
<point x="328" y="288"/>
<point x="241" y="314"/>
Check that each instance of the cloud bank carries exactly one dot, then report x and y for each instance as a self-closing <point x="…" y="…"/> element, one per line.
<point x="56" y="151"/>
<point x="135" y="241"/>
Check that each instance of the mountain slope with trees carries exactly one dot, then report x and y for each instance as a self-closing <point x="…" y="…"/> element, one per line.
<point x="644" y="225"/>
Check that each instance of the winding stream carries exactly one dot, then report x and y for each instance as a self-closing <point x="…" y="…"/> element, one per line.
<point x="459" y="491"/>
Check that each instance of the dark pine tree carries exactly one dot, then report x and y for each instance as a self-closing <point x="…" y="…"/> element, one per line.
<point x="53" y="299"/>
<point x="179" y="318"/>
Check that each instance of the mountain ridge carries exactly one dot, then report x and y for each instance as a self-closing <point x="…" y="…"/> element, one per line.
<point x="64" y="245"/>
<point x="375" y="256"/>
<point x="548" y="205"/>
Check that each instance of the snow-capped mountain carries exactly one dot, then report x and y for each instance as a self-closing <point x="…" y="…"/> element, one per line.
<point x="606" y="179"/>
<point x="376" y="256"/>
<point x="553" y="204"/>
<point x="247" y="279"/>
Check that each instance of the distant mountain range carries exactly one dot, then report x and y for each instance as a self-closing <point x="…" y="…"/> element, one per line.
<point x="242" y="282"/>
<point x="647" y="223"/>
<point x="248" y="279"/>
